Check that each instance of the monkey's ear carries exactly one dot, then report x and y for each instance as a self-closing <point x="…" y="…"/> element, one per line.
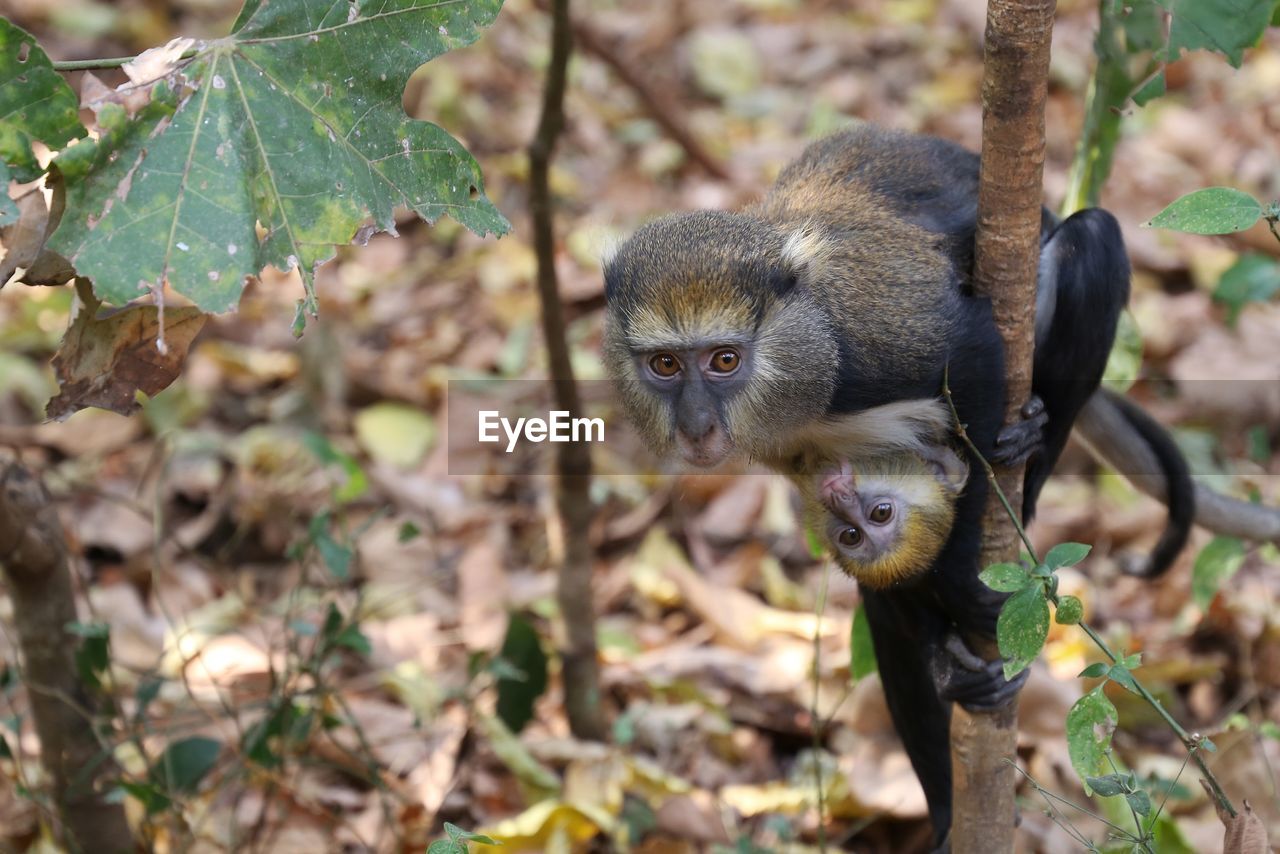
<point x="806" y="252"/>
<point x="951" y="470"/>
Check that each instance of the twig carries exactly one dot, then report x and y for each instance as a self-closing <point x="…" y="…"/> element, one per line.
<point x="655" y="102"/>
<point x="1052" y="796"/>
<point x="581" y="670"/>
<point x="815" y="675"/>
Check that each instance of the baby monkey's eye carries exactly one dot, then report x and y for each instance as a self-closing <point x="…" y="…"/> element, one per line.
<point x="725" y="361"/>
<point x="881" y="513"/>
<point x="850" y="537"/>
<point x="664" y="364"/>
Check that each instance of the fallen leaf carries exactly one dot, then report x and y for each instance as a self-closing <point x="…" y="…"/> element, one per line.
<point x="1245" y="832"/>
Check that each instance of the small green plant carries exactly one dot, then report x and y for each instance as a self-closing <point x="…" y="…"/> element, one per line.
<point x="1021" y="631"/>
<point x="457" y="841"/>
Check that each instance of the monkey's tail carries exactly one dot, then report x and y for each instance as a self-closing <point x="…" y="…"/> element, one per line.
<point x="1099" y="419"/>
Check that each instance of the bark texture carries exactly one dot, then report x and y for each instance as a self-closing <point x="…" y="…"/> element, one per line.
<point x="1015" y="80"/>
<point x="580" y="670"/>
<point x="33" y="554"/>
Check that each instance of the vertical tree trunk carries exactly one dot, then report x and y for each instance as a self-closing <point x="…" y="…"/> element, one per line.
<point x="580" y="669"/>
<point x="33" y="553"/>
<point x="1015" y="81"/>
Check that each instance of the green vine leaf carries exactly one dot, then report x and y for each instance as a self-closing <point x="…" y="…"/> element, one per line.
<point x="1090" y="725"/>
<point x="293" y="122"/>
<point x="1022" y="628"/>
<point x="35" y="104"/>
<point x="1213" y="210"/>
<point x="1005" y="577"/>
<point x="1066" y="554"/>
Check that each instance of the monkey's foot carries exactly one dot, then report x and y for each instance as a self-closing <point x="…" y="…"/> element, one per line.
<point x="972" y="681"/>
<point x="1017" y="442"/>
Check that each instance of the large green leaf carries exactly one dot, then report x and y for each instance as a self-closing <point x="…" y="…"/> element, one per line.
<point x="35" y="103"/>
<point x="1225" y="26"/>
<point x="293" y="122"/>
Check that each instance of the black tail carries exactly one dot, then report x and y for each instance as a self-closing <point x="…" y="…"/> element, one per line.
<point x="1180" y="490"/>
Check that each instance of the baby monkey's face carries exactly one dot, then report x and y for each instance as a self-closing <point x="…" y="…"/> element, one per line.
<point x="865" y="519"/>
<point x="885" y="518"/>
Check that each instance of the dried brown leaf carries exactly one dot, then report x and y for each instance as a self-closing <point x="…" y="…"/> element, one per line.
<point x="23" y="243"/>
<point x="1245" y="831"/>
<point x="107" y="358"/>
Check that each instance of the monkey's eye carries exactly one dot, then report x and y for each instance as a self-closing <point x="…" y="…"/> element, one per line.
<point x="881" y="513"/>
<point x="664" y="365"/>
<point x="725" y="361"/>
<point x="849" y="537"/>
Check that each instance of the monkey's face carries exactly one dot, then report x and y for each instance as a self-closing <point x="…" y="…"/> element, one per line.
<point x="714" y="342"/>
<point x="696" y="385"/>
<point x="885" y="520"/>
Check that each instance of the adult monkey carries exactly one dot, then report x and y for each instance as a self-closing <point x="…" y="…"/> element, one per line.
<point x="827" y="316"/>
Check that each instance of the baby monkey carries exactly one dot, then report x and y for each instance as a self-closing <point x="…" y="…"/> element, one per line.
<point x="884" y="517"/>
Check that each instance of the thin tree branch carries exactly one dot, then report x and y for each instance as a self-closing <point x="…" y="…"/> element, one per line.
<point x="656" y="103"/>
<point x="581" y="670"/>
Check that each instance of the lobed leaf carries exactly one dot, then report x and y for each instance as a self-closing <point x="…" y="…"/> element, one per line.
<point x="35" y="104"/>
<point x="1213" y="210"/>
<point x="293" y="122"/>
<point x="1223" y="26"/>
